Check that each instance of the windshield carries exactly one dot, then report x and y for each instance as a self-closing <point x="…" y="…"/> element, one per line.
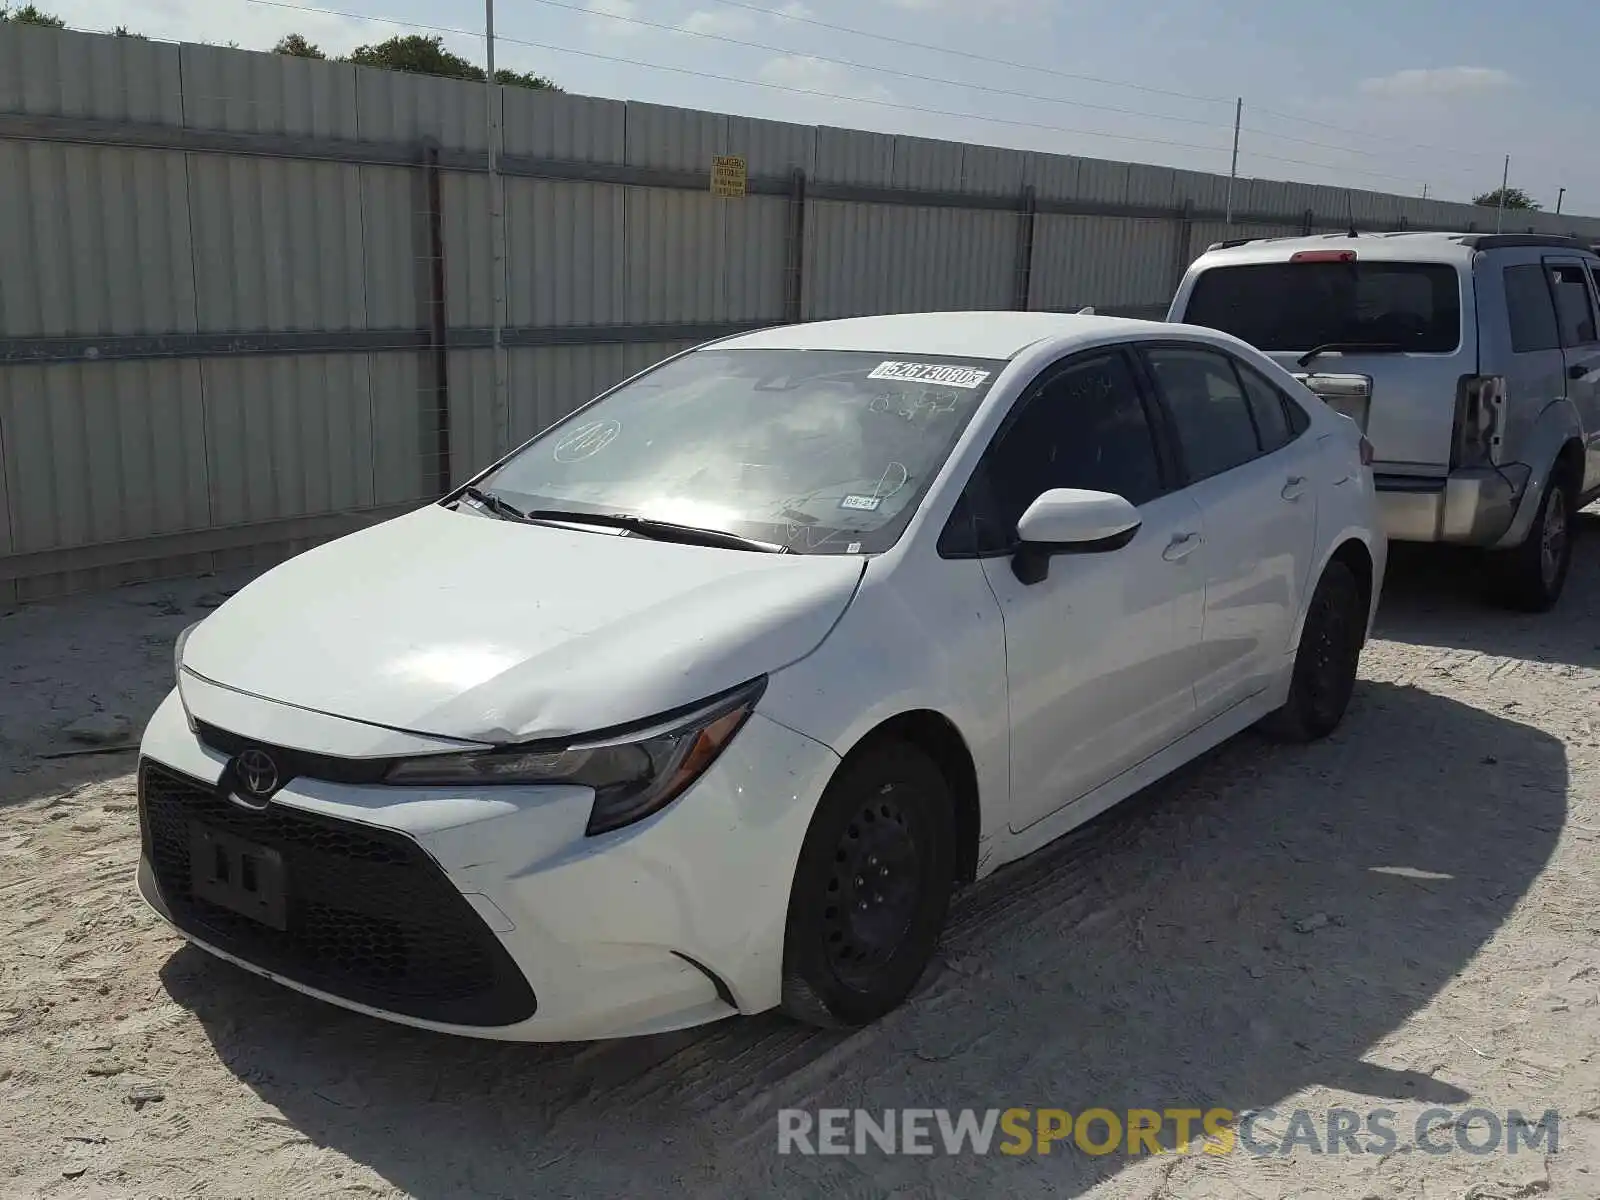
<point x="819" y="451"/>
<point x="1415" y="307"/>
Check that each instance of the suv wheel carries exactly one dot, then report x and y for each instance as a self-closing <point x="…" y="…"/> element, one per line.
<point x="1530" y="578"/>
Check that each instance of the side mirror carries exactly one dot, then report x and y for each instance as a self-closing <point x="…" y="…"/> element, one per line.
<point x="1070" y="521"/>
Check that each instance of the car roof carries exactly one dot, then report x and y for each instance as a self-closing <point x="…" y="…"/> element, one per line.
<point x="1410" y="246"/>
<point x="989" y="335"/>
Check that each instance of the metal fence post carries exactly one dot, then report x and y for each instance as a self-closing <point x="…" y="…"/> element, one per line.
<point x="1022" y="296"/>
<point x="438" y="329"/>
<point x="1182" y="251"/>
<point x="1308" y="223"/>
<point x="794" y="279"/>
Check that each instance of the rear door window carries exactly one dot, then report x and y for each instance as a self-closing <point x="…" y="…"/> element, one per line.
<point x="1530" y="310"/>
<point x="1208" y="406"/>
<point x="1574" y="309"/>
<point x="1299" y="306"/>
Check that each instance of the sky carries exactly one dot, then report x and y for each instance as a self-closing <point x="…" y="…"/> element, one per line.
<point x="1387" y="95"/>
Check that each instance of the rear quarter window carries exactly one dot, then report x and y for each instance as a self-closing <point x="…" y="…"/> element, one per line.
<point x="1298" y="306"/>
<point x="1530" y="309"/>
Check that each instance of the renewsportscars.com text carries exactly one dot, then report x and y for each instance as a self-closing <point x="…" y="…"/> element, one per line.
<point x="1218" y="1131"/>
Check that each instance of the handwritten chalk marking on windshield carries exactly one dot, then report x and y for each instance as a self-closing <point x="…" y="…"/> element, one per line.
<point x="586" y="441"/>
<point x="949" y="376"/>
<point x="894" y="477"/>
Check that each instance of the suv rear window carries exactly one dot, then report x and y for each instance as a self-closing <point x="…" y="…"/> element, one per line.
<point x="1298" y="306"/>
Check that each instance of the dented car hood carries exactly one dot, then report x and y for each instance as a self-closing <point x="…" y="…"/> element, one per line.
<point x="457" y="625"/>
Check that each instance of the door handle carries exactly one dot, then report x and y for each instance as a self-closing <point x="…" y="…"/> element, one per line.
<point x="1294" y="487"/>
<point x="1181" y="546"/>
<point x="1577" y="371"/>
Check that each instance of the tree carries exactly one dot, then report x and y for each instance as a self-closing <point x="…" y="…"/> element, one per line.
<point x="30" y="14"/>
<point x="525" y="79"/>
<point x="417" y="54"/>
<point x="1515" y="197"/>
<point x="421" y="55"/>
<point x="295" y="46"/>
<point x="124" y="32"/>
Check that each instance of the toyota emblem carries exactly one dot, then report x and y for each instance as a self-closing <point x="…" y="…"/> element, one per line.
<point x="256" y="772"/>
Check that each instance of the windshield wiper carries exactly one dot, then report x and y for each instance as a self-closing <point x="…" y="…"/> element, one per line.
<point x="499" y="506"/>
<point x="1311" y="355"/>
<point x="661" y="531"/>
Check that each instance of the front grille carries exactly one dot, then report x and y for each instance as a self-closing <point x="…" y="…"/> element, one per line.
<point x="297" y="764"/>
<point x="369" y="918"/>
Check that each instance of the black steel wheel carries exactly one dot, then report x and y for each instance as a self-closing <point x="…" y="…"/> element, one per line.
<point x="1325" y="665"/>
<point x="872" y="888"/>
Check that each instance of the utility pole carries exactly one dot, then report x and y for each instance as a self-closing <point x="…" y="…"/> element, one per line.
<point x="1500" y="213"/>
<point x="1233" y="171"/>
<point x="497" y="239"/>
<point x="1560" y="196"/>
<point x="1424" y="191"/>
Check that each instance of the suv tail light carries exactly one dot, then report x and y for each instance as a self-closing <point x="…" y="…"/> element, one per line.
<point x="1480" y="421"/>
<point x="1314" y="256"/>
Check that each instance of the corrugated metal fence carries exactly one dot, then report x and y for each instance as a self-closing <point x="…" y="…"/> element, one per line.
<point x="245" y="300"/>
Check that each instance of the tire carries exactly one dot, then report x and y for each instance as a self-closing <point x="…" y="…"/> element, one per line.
<point x="856" y="944"/>
<point x="1531" y="577"/>
<point x="1325" y="665"/>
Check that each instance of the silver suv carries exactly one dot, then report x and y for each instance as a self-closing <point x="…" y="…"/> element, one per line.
<point x="1470" y="361"/>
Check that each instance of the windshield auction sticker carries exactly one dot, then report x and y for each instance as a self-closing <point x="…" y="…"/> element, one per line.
<point x="949" y="376"/>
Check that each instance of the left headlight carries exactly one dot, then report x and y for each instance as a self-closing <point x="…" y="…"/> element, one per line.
<point x="633" y="774"/>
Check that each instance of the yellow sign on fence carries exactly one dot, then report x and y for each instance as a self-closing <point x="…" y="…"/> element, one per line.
<point x="730" y="176"/>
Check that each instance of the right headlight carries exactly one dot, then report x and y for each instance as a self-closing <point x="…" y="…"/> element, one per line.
<point x="632" y="774"/>
<point x="177" y="651"/>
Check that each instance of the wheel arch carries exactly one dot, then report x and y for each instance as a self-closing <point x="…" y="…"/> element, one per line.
<point x="938" y="737"/>
<point x="1354" y="554"/>
<point x="1555" y="444"/>
<point x="1352" y="547"/>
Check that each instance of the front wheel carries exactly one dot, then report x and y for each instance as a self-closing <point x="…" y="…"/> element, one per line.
<point x="872" y="888"/>
<point x="1530" y="578"/>
<point x="1326" y="662"/>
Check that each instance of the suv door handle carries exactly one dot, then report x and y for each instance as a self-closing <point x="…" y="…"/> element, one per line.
<point x="1181" y="546"/>
<point x="1577" y="371"/>
<point x="1294" y="487"/>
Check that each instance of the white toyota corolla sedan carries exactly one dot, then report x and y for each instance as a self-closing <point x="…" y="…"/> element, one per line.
<point x="703" y="701"/>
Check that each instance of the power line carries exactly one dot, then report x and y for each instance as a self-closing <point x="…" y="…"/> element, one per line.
<point x="1382" y="137"/>
<point x="1284" y="137"/>
<point x="632" y="62"/>
<point x="1022" y="66"/>
<point x="824" y="95"/>
<point x="728" y="39"/>
<point x="970" y="55"/>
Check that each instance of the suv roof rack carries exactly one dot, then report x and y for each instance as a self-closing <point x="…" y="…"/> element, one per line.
<point x="1515" y="241"/>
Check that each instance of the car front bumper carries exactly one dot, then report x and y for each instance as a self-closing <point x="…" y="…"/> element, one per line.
<point x="1473" y="507"/>
<point x="672" y="922"/>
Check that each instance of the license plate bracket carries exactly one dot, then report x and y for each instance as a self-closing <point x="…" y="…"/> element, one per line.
<point x="238" y="875"/>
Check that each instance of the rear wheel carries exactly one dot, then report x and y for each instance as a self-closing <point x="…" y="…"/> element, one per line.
<point x="1325" y="664"/>
<point x="872" y="888"/>
<point x="1530" y="578"/>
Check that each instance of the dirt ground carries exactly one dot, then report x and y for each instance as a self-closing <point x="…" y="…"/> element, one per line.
<point x="1404" y="916"/>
